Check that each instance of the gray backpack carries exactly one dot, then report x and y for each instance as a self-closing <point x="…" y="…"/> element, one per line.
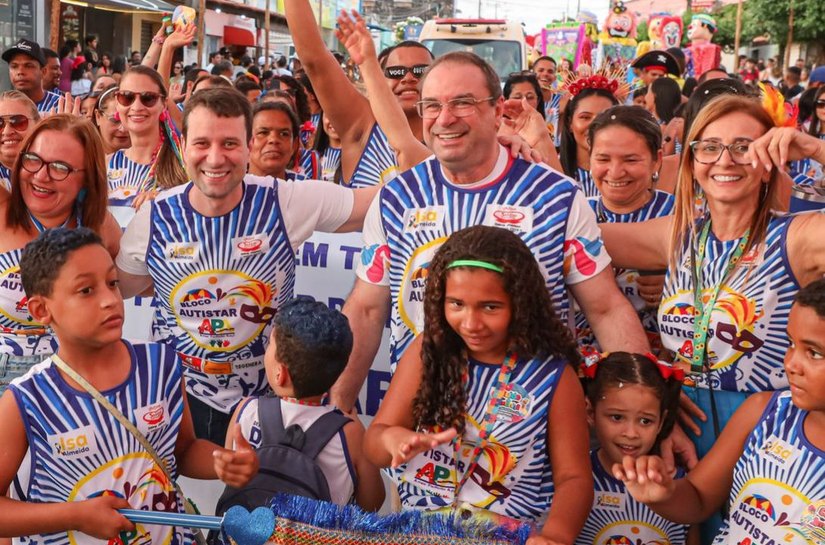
<point x="287" y="459"/>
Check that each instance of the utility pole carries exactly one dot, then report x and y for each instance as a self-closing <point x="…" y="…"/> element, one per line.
<point x="737" y="37"/>
<point x="790" y="36"/>
<point x="266" y="34"/>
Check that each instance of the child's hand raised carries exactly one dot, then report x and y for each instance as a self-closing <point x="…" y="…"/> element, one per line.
<point x="404" y="444"/>
<point x="98" y="517"/>
<point x="236" y="467"/>
<point x="647" y="478"/>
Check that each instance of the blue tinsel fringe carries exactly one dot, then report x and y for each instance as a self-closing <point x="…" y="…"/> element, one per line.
<point x="352" y="518"/>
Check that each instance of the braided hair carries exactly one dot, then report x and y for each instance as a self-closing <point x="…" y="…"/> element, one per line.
<point x="534" y="330"/>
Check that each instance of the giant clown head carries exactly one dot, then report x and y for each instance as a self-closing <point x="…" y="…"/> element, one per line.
<point x="665" y="31"/>
<point x="621" y="23"/>
<point x="702" y="27"/>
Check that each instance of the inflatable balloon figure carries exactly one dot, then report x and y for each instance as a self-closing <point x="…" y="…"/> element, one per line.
<point x="702" y="55"/>
<point x="664" y="31"/>
<point x="617" y="40"/>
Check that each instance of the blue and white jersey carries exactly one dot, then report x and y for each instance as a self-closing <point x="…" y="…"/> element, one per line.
<point x="81" y="451"/>
<point x="20" y="334"/>
<point x="292" y="176"/>
<point x="377" y="164"/>
<point x="586" y="183"/>
<point x="513" y="476"/>
<point x="746" y="335"/>
<point x="5" y="178"/>
<point x="807" y="171"/>
<point x="310" y="129"/>
<point x="617" y="518"/>
<point x="126" y="179"/>
<point x="48" y="102"/>
<point x="330" y="162"/>
<point x="309" y="164"/>
<point x="334" y="459"/>
<point x="778" y="493"/>
<point x="416" y="212"/>
<point x="660" y="204"/>
<point x="219" y="280"/>
<point x="552" y="112"/>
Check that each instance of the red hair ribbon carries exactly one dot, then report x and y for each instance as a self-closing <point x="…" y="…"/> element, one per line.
<point x="667" y="370"/>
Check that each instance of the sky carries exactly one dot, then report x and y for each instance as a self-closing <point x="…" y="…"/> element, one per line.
<point x="533" y="13"/>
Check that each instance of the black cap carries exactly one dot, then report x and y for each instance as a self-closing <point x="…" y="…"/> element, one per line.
<point x="26" y="47"/>
<point x="658" y="58"/>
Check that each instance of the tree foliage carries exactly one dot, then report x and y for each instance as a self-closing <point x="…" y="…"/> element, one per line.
<point x="771" y="17"/>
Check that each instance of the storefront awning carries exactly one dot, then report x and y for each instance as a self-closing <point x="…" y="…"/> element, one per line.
<point x="233" y="35"/>
<point x="129" y="6"/>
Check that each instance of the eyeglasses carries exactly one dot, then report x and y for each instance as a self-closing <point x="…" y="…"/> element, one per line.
<point x="57" y="170"/>
<point x="820" y="103"/>
<point x="17" y="122"/>
<point x="459" y="107"/>
<point x="113" y="119"/>
<point x="398" y="72"/>
<point x="708" y="152"/>
<point x="127" y="98"/>
<point x="528" y="96"/>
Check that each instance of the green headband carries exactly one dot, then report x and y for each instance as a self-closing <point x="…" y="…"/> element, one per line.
<point x="475" y="263"/>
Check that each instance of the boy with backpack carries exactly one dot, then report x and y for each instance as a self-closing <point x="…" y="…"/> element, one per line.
<point x="305" y="448"/>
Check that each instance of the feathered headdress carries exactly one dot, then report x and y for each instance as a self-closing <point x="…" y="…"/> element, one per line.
<point x="784" y="114"/>
<point x="613" y="80"/>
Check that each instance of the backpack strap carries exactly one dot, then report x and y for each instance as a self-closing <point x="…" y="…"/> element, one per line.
<point x="322" y="431"/>
<point x="271" y="420"/>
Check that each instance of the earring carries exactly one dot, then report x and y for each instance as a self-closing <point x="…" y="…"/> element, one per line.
<point x="655" y="178"/>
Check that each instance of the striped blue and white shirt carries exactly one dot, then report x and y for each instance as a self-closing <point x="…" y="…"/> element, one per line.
<point x="416" y="212"/>
<point x="377" y="164"/>
<point x="778" y="493"/>
<point x="79" y="450"/>
<point x="513" y="476"/>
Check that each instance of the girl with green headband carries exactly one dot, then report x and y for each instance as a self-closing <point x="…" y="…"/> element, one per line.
<point x="466" y="420"/>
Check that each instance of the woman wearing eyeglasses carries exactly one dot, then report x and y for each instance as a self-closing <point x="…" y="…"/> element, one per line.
<point x="525" y="85"/>
<point x="115" y="137"/>
<point x="59" y="180"/>
<point x="18" y="115"/>
<point x="725" y="318"/>
<point x="177" y="73"/>
<point x="153" y="162"/>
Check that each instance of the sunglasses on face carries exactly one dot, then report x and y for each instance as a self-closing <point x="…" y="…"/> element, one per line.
<point x="819" y="104"/>
<point x="17" y="122"/>
<point x="127" y="98"/>
<point x="398" y="72"/>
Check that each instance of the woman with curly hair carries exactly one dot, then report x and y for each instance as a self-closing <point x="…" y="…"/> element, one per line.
<point x="484" y="413"/>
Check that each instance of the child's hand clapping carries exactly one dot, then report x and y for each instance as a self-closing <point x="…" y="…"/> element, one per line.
<point x="647" y="478"/>
<point x="406" y="444"/>
<point x="236" y="467"/>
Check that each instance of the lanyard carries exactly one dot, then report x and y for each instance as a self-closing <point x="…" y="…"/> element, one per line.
<point x="704" y="310"/>
<point x="489" y="420"/>
<point x="41" y="228"/>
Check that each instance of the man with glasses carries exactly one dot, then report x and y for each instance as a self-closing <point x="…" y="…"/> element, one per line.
<point x="220" y="254"/>
<point x="26" y="72"/>
<point x="472" y="180"/>
<point x="366" y="157"/>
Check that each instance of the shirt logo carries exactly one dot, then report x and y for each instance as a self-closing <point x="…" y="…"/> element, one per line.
<point x="609" y="500"/>
<point x="518" y="219"/>
<point x="74" y="444"/>
<point x="421" y="219"/>
<point x="152" y="417"/>
<point x="249" y="246"/>
<point x="779" y="451"/>
<point x="182" y="251"/>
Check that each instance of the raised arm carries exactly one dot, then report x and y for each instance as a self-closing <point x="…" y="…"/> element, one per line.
<point x="347" y="109"/>
<point x="353" y="33"/>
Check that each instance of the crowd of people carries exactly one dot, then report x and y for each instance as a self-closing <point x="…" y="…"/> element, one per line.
<point x="604" y="321"/>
